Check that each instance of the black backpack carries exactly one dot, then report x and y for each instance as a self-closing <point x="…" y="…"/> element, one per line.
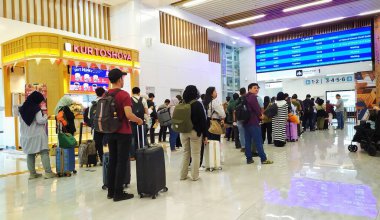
<point x="138" y="108"/>
<point x="90" y="120"/>
<point x="308" y="108"/>
<point x="241" y="112"/>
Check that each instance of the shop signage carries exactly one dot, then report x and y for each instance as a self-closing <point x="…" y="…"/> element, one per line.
<point x="97" y="52"/>
<point x="329" y="80"/>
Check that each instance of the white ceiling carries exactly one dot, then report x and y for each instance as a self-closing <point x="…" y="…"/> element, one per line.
<point x="150" y="3"/>
<point x="212" y="9"/>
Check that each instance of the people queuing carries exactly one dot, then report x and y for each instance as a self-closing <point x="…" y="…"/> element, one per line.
<point x="207" y="114"/>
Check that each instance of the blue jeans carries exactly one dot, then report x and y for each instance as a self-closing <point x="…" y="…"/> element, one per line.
<point x="173" y="138"/>
<point x="253" y="132"/>
<point x="339" y="117"/>
<point x="241" y="133"/>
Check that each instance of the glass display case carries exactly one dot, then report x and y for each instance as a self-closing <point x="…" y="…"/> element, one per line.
<point x="230" y="70"/>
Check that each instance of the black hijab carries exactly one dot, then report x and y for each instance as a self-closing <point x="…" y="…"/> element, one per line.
<point x="30" y="107"/>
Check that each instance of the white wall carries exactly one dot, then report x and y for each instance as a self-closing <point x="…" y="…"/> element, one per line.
<point x="163" y="67"/>
<point x="247" y="58"/>
<point x="297" y="86"/>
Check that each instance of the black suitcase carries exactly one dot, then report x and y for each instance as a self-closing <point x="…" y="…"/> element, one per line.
<point x="150" y="171"/>
<point x="106" y="158"/>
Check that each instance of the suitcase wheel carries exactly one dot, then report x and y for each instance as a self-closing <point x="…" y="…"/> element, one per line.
<point x="59" y="175"/>
<point x="74" y="171"/>
<point x="352" y="148"/>
<point x="141" y="196"/>
<point x="165" y="189"/>
<point x="104" y="187"/>
<point x="154" y="196"/>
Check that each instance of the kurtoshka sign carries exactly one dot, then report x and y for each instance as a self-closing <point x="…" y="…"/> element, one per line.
<point x="97" y="52"/>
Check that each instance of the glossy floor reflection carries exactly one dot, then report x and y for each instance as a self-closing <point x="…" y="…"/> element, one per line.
<point x="315" y="178"/>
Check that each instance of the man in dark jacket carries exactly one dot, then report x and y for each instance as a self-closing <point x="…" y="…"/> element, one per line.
<point x="153" y="116"/>
<point x="308" y="112"/>
<point x="252" y="127"/>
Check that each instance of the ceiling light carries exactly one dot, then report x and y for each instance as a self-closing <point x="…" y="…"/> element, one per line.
<point x="323" y="21"/>
<point x="370" y="12"/>
<point x="193" y="3"/>
<point x="234" y="42"/>
<point x="245" y="19"/>
<point x="270" y="32"/>
<point x="306" y="5"/>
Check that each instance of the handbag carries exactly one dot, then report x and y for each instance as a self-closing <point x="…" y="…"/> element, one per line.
<point x="66" y="140"/>
<point x="215" y="126"/>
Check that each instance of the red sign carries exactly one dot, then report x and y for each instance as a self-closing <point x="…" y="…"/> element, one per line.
<point x="101" y="52"/>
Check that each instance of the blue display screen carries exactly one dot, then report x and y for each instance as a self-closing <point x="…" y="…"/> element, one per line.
<point x="88" y="79"/>
<point x="353" y="45"/>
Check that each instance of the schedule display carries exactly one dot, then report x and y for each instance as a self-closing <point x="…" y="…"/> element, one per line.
<point x="348" y="46"/>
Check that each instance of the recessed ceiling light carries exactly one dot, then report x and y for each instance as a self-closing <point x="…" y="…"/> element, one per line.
<point x="245" y="19"/>
<point x="270" y="32"/>
<point x="193" y="3"/>
<point x="306" y="5"/>
<point x="323" y="21"/>
<point x="370" y="12"/>
<point x="234" y="42"/>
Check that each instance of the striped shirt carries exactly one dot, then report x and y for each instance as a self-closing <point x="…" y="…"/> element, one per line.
<point x="279" y="122"/>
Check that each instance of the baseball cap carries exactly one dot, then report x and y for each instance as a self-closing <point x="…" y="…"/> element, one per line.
<point x="115" y="74"/>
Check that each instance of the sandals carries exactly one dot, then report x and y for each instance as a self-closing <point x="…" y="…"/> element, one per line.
<point x="267" y="162"/>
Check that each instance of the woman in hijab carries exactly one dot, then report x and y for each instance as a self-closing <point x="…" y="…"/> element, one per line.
<point x="173" y="135"/>
<point x="33" y="136"/>
<point x="63" y="106"/>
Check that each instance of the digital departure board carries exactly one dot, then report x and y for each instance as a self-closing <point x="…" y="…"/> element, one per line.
<point x="348" y="46"/>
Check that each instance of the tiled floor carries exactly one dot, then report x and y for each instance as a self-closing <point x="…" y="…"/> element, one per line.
<point x="315" y="178"/>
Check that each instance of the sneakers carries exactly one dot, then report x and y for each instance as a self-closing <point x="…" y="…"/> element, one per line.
<point x="50" y="175"/>
<point x="250" y="161"/>
<point x="184" y="178"/>
<point x="195" y="179"/>
<point x="123" y="196"/>
<point x="267" y="162"/>
<point x="34" y="176"/>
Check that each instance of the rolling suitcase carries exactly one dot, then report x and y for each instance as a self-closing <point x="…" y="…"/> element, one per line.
<point x="291" y="132"/>
<point x="150" y="171"/>
<point x="65" y="161"/>
<point x="106" y="158"/>
<point x="213" y="156"/>
<point x="87" y="151"/>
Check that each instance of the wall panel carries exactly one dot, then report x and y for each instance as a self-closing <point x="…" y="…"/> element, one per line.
<point x="180" y="33"/>
<point x="77" y="16"/>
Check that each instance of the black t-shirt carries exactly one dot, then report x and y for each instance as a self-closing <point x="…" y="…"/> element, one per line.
<point x="153" y="115"/>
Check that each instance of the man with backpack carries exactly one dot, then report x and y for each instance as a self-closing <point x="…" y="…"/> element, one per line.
<point x="140" y="109"/>
<point x="308" y="112"/>
<point x="252" y="126"/>
<point x="89" y="120"/>
<point x="239" y="118"/>
<point x="119" y="141"/>
<point x="163" y="129"/>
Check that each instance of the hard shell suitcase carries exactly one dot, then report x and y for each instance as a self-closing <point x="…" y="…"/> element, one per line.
<point x="106" y="160"/>
<point x="83" y="155"/>
<point x="213" y="156"/>
<point x="65" y="161"/>
<point x="291" y="132"/>
<point x="150" y="171"/>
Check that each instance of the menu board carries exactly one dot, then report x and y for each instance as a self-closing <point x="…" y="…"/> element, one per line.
<point x="88" y="79"/>
<point x="348" y="46"/>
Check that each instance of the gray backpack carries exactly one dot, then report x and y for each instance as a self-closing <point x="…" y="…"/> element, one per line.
<point x="106" y="119"/>
<point x="164" y="117"/>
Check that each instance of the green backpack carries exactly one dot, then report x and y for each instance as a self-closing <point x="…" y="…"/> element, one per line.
<point x="181" y="120"/>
